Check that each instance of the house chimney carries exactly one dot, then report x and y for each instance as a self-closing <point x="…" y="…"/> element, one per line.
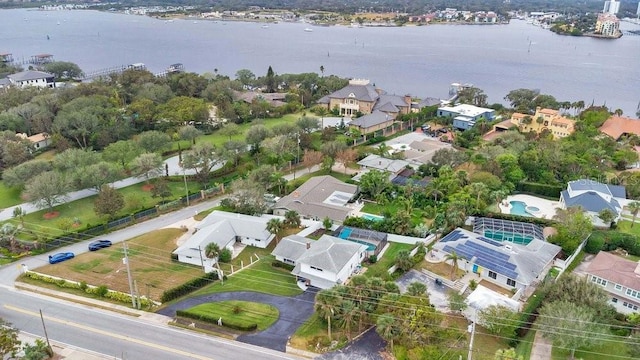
<point x="637" y="270"/>
<point x="407" y="99"/>
<point x="308" y="245"/>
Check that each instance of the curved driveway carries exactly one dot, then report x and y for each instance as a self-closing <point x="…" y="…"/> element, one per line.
<point x="294" y="311"/>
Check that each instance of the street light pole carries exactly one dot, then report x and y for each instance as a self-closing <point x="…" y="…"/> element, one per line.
<point x="297" y="157"/>
<point x="184" y="175"/>
<point x="125" y="260"/>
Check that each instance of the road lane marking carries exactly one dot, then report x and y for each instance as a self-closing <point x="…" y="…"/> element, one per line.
<point x="106" y="333"/>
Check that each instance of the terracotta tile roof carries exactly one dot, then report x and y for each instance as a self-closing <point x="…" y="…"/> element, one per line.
<point x="548" y="111"/>
<point x="616" y="126"/>
<point x="615" y="269"/>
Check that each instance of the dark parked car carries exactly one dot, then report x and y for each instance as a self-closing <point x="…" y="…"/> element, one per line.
<point x="99" y="244"/>
<point x="60" y="257"/>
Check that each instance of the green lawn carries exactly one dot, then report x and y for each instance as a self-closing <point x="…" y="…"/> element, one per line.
<point x="625" y="226"/>
<point x="613" y="349"/>
<point x="135" y="199"/>
<point x="526" y="344"/>
<point x="217" y="139"/>
<point x="259" y="277"/>
<point x="239" y="312"/>
<point x="417" y="215"/>
<point x="9" y="196"/>
<point x="379" y="269"/>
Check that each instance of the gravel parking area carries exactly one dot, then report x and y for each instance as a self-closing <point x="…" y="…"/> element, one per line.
<point x="437" y="293"/>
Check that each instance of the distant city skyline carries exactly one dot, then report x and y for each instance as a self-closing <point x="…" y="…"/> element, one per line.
<point x="611" y="7"/>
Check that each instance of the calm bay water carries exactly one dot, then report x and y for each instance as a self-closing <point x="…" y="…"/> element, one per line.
<point x="421" y="61"/>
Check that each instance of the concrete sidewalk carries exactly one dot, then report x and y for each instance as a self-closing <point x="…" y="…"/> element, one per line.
<point x="541" y="349"/>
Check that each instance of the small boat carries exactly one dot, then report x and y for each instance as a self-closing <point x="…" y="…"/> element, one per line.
<point x="308" y="29"/>
<point x="58" y="22"/>
<point x="265" y="26"/>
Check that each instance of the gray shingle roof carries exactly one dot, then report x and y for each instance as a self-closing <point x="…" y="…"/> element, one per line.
<point x="373" y="119"/>
<point x="310" y="199"/>
<point x="387" y="107"/>
<point x="291" y="247"/>
<point x="591" y="185"/>
<point x="30" y="75"/>
<point x="243" y="225"/>
<point x="331" y="253"/>
<point x="220" y="233"/>
<point x="360" y="92"/>
<point x="378" y="162"/>
<point x="591" y="201"/>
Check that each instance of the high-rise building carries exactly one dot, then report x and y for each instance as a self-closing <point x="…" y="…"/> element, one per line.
<point x="607" y="25"/>
<point x="611" y="7"/>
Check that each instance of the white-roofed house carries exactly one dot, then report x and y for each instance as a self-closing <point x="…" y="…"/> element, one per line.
<point x="318" y="198"/>
<point x="224" y="229"/>
<point x="322" y="263"/>
<point x="465" y="116"/>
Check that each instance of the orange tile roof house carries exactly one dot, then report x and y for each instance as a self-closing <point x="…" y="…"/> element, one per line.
<point x="620" y="278"/>
<point x="544" y="119"/>
<point x="617" y="126"/>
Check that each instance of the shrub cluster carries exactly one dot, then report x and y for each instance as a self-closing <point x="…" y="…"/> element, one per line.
<point x="100" y="291"/>
<point x="279" y="264"/>
<point x="230" y="323"/>
<point x="188" y="287"/>
<point x="376" y="140"/>
<point x="611" y="240"/>
<point x="552" y="191"/>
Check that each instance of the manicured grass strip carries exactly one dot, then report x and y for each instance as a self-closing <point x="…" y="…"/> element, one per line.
<point x="379" y="269"/>
<point x="242" y="313"/>
<point x="526" y="344"/>
<point x="259" y="277"/>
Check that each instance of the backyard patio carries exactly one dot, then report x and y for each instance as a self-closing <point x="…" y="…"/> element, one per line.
<point x="531" y="206"/>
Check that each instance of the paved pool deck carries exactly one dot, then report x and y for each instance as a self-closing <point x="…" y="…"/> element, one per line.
<point x="547" y="208"/>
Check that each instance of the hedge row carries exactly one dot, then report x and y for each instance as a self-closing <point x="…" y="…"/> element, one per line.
<point x="552" y="191"/>
<point x="280" y="264"/>
<point x="101" y="291"/>
<point x="610" y="240"/>
<point x="209" y="319"/>
<point x="188" y="287"/>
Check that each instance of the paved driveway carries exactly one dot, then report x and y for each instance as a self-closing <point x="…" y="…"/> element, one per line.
<point x="294" y="311"/>
<point x="437" y="293"/>
<point x="367" y="347"/>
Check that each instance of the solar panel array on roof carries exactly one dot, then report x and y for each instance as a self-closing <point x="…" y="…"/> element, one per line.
<point x="487" y="258"/>
<point x="453" y="236"/>
<point x="488" y="241"/>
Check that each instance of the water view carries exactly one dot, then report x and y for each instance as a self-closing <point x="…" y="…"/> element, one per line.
<point x="420" y="60"/>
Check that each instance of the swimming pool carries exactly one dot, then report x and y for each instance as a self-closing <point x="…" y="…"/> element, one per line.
<point x="508" y="236"/>
<point x="521" y="208"/>
<point x="345" y="235"/>
<point x="372" y="217"/>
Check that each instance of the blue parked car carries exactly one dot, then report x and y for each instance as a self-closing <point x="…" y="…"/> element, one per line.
<point x="60" y="257"/>
<point x="99" y="244"/>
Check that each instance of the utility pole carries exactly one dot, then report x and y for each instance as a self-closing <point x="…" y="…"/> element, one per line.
<point x="125" y="261"/>
<point x="472" y="330"/>
<point x="184" y="174"/>
<point x="201" y="260"/>
<point x="46" y="336"/>
<point x="135" y="287"/>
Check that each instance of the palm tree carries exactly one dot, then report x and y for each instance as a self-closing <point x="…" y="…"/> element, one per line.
<point x="435" y="189"/>
<point x="326" y="305"/>
<point x="387" y="328"/>
<point x="454" y="263"/>
<point x="212" y="250"/>
<point x="292" y="219"/>
<point x="322" y="70"/>
<point x="479" y="189"/>
<point x="349" y="314"/>
<point x="634" y="207"/>
<point x="275" y="226"/>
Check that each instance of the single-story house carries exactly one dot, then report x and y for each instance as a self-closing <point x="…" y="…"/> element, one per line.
<point x="322" y="263"/>
<point x="619" y="277"/>
<point x="594" y="197"/>
<point x="32" y="78"/>
<point x="465" y="116"/>
<point x="318" y="198"/>
<point x="377" y="162"/>
<point x="39" y="141"/>
<point x="504" y="263"/>
<point x="224" y="229"/>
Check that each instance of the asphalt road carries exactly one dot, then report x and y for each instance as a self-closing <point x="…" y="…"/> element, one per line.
<point x="120" y="336"/>
<point x="105" y="332"/>
<point x="10" y="272"/>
